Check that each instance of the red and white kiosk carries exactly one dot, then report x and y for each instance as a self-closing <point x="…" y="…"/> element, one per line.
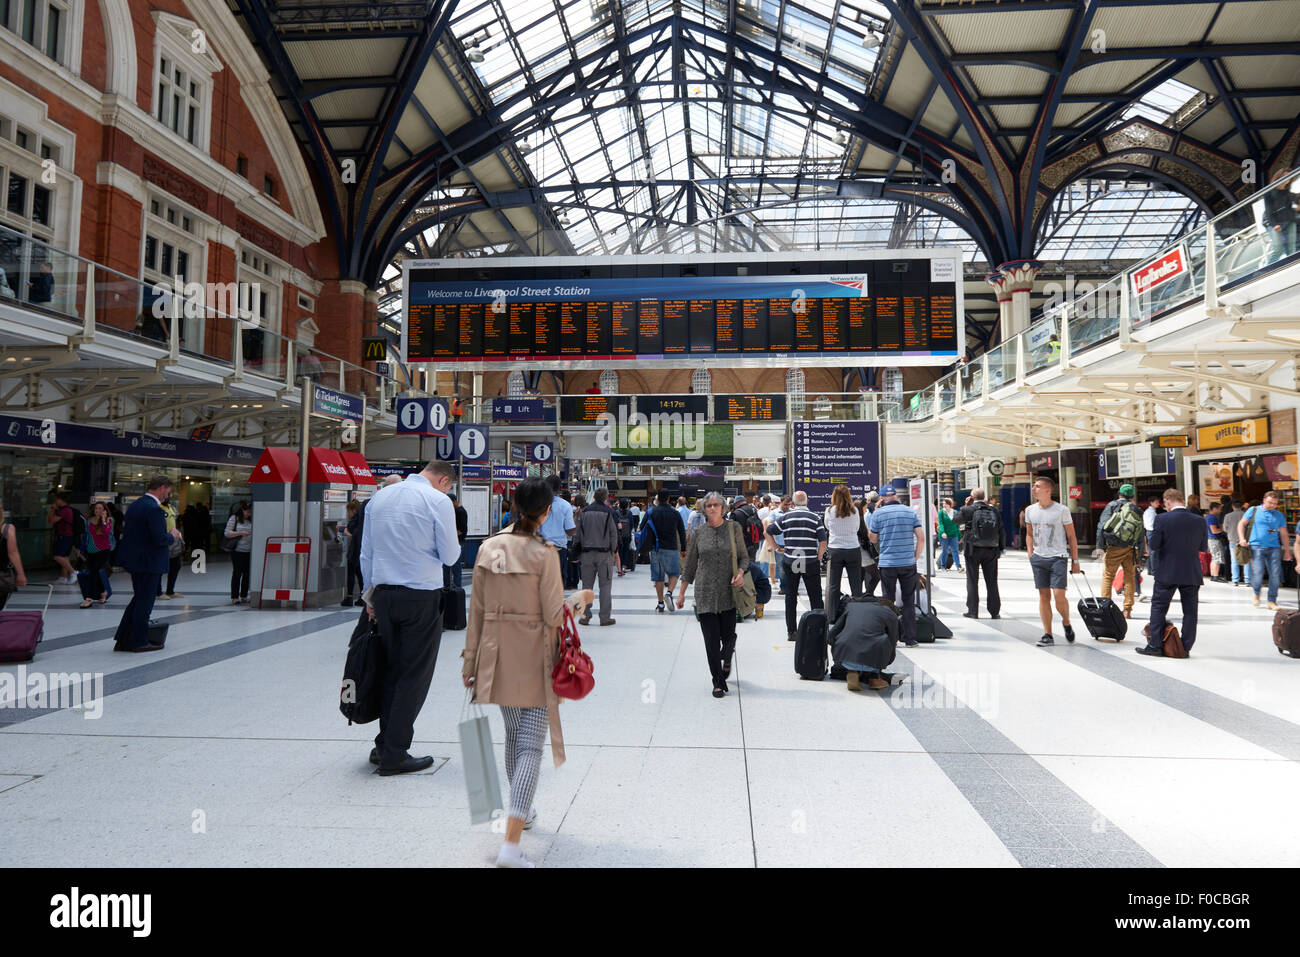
<point x="309" y="570"/>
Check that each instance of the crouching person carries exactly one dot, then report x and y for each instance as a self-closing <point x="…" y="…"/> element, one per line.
<point x="863" y="639"/>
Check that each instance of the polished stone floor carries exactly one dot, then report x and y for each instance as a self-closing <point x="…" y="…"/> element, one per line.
<point x="228" y="748"/>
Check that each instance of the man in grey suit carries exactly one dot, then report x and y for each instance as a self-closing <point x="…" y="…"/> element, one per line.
<point x="1177" y="539"/>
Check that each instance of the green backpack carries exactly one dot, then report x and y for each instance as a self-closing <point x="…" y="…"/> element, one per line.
<point x="1125" y="525"/>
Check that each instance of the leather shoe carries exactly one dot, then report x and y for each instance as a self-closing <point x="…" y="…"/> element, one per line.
<point x="995" y="617"/>
<point x="408" y="766"/>
<point x="608" y="621"/>
<point x="967" y="614"/>
<point x="374" y="756"/>
<point x="145" y="647"/>
<point x="585" y="620"/>
<point x="1148" y="650"/>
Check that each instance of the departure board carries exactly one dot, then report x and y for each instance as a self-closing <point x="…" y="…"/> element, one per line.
<point x="882" y="307"/>
<point x="748" y="408"/>
<point x="589" y="408"/>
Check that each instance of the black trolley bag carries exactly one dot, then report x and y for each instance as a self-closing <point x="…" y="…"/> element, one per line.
<point x="810" y="646"/>
<point x="1101" y="616"/>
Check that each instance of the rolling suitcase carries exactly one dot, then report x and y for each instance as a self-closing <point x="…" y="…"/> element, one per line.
<point x="1101" y="616"/>
<point x="1286" y="633"/>
<point x="21" y="632"/>
<point x="810" y="646"/>
<point x="453" y="609"/>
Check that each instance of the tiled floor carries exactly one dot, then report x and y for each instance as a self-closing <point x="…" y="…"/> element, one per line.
<point x="228" y="748"/>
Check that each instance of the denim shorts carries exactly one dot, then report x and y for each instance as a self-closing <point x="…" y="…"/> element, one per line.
<point x="665" y="563"/>
<point x="1048" y="572"/>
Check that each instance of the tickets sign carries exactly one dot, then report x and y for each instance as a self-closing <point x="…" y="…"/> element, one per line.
<point x="1169" y="266"/>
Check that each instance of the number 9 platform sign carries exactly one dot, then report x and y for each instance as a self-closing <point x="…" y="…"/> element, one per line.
<point x="417" y="415"/>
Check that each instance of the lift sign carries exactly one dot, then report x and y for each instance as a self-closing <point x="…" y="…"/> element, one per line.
<point x="1169" y="266"/>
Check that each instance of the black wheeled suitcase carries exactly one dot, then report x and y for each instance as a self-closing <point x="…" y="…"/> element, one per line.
<point x="1101" y="616"/>
<point x="453" y="609"/>
<point x="810" y="646"/>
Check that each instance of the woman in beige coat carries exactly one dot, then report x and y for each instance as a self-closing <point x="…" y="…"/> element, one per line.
<point x="511" y="644"/>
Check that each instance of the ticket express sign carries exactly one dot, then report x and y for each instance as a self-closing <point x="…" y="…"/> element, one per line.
<point x="1169" y="266"/>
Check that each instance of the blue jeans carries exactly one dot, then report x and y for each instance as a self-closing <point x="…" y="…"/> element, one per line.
<point x="1240" y="573"/>
<point x="1272" y="554"/>
<point x="950" y="545"/>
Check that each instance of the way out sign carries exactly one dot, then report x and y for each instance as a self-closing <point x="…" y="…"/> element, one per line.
<point x="421" y="416"/>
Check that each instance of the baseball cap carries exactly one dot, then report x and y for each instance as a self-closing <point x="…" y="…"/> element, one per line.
<point x="1128" y="491"/>
<point x="887" y="491"/>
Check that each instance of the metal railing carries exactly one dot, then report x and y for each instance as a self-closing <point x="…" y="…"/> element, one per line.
<point x="214" y="322"/>
<point x="1238" y="244"/>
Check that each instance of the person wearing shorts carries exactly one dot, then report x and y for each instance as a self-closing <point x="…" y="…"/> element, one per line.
<point x="665" y="533"/>
<point x="1051" y="542"/>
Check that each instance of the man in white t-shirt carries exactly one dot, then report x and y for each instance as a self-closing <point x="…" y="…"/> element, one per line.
<point x="1050" y="537"/>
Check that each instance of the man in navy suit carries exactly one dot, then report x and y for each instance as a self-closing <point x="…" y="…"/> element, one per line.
<point x="1177" y="539"/>
<point x="143" y="553"/>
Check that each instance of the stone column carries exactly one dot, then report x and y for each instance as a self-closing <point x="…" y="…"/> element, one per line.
<point x="1019" y="276"/>
<point x="999" y="283"/>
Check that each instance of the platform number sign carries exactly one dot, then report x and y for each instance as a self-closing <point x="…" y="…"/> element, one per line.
<point x="472" y="442"/>
<point x="542" y="452"/>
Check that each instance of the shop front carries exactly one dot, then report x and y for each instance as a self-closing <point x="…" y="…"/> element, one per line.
<point x="1244" y="458"/>
<point x="1148" y="466"/>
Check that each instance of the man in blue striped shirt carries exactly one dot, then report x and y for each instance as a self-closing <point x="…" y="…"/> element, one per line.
<point x="897" y="530"/>
<point x="804" y="542"/>
<point x="409" y="535"/>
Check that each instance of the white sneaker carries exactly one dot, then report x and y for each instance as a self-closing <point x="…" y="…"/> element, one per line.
<point x="510" y="855"/>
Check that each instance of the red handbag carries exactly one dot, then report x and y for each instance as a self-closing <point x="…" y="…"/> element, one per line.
<point x="572" y="677"/>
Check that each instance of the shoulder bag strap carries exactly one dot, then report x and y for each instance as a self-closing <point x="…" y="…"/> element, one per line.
<point x="731" y="537"/>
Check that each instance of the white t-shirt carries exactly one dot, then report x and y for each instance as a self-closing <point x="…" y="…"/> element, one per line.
<point x="763" y="513"/>
<point x="842" y="532"/>
<point x="1048" y="525"/>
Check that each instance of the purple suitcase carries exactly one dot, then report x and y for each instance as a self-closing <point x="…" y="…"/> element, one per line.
<point x="21" y="631"/>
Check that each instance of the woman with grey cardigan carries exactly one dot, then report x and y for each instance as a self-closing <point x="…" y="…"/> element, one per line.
<point x="716" y="559"/>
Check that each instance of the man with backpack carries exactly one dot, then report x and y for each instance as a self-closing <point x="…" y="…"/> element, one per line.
<point x="1120" y="532"/>
<point x="67" y="532"/>
<point x="663" y="534"/>
<point x="984" y="541"/>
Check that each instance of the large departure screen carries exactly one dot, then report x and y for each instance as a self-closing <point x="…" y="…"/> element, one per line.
<point x="890" y="307"/>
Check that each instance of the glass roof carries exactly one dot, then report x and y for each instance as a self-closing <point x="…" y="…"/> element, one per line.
<point x="672" y="143"/>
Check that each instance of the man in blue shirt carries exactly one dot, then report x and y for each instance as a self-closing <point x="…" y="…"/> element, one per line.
<point x="409" y="535"/>
<point x="683" y="509"/>
<point x="1269" y="546"/>
<point x="558" y="527"/>
<point x="897" y="531"/>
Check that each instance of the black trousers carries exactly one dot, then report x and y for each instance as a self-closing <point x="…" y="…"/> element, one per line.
<point x="1189" y="597"/>
<point x="719" y="630"/>
<point x="133" y="629"/>
<point x="902" y="579"/>
<point x="173" y="569"/>
<point x="410" y="626"/>
<point x="870" y="578"/>
<point x="94" y="582"/>
<point x="981" y="557"/>
<point x="812" y="580"/>
<point x="354" y="576"/>
<point x="843" y="562"/>
<point x="240" y="562"/>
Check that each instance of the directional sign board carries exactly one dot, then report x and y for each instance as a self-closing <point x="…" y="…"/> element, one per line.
<point x="418" y="415"/>
<point x="543" y="452"/>
<point x="472" y="442"/>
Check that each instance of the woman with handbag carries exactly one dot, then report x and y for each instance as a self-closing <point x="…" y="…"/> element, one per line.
<point x="511" y="645"/>
<point x="97" y="547"/>
<point x="12" y="576"/>
<point x="716" y="561"/>
<point x="843" y="553"/>
<point x="238" y="539"/>
<point x="175" y="552"/>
